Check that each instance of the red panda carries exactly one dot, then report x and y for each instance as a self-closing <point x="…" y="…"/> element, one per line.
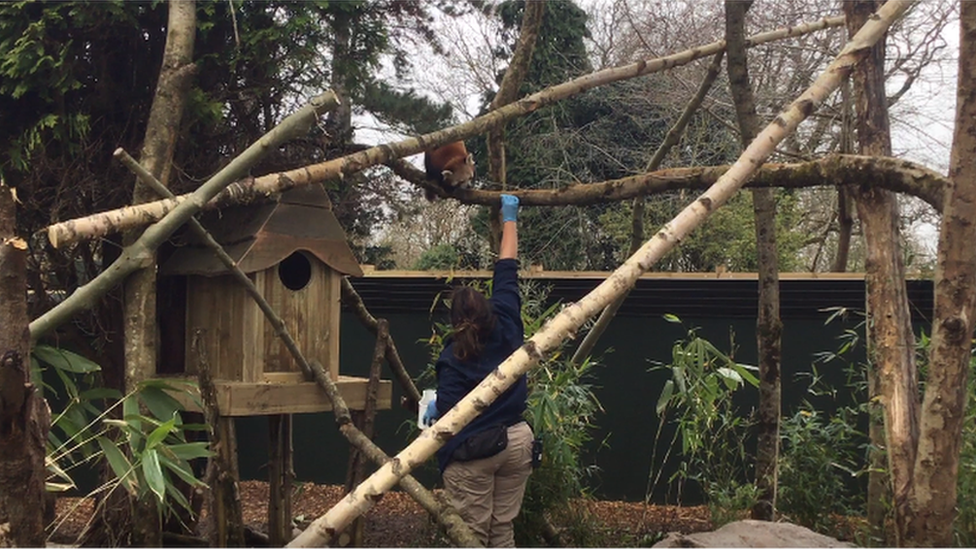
<point x="451" y="166"/>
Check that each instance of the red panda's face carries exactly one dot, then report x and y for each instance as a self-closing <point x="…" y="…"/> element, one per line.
<point x="460" y="176"/>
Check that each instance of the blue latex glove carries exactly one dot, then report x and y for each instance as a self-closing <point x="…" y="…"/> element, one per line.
<point x="430" y="415"/>
<point x="509" y="208"/>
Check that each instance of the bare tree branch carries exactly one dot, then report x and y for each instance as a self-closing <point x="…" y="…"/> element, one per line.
<point x="893" y="174"/>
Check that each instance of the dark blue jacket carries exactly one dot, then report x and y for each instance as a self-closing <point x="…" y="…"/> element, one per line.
<point x="455" y="378"/>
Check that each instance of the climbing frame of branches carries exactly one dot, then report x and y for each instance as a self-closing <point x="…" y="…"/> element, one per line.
<point x="572" y="317"/>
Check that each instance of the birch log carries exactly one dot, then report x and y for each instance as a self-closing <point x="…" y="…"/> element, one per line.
<point x="573" y="316"/>
<point x="100" y="224"/>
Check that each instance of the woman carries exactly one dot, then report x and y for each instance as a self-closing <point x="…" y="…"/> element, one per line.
<point x="486" y="466"/>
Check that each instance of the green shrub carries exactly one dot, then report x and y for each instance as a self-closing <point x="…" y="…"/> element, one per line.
<point x="817" y="461"/>
<point x="562" y="410"/>
<point x="965" y="524"/>
<point x="147" y="452"/>
<point x="712" y="432"/>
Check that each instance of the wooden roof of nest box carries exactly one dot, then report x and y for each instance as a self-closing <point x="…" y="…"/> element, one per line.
<point x="260" y="236"/>
<point x="295" y="252"/>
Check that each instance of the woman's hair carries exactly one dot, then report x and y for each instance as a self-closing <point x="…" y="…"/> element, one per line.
<point x="473" y="321"/>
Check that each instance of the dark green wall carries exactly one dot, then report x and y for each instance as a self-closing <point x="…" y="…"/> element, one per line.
<point x="626" y="388"/>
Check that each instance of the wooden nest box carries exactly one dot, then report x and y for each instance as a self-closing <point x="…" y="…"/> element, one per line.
<point x="295" y="252"/>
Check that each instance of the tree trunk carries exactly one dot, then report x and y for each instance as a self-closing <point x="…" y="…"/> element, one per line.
<point x="571" y="317"/>
<point x="365" y="421"/>
<point x="933" y="501"/>
<point x="769" y="328"/>
<point x="845" y="228"/>
<point x="507" y="92"/>
<point x="890" y="336"/>
<point x="224" y="500"/>
<point x="845" y="222"/>
<point x="281" y="476"/>
<point x="139" y="303"/>
<point x="339" y="122"/>
<point x="24" y="416"/>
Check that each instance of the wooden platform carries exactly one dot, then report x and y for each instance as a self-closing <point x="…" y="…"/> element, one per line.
<point x="281" y="393"/>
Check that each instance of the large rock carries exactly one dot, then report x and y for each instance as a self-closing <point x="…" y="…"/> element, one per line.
<point x="753" y="533"/>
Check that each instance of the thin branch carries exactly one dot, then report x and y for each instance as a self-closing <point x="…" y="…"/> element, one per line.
<point x="351" y="298"/>
<point x="507" y="92"/>
<point x="637" y="221"/>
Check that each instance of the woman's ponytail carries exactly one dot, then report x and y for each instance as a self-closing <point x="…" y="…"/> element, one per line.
<point x="473" y="321"/>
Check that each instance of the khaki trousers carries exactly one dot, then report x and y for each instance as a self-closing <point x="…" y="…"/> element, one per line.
<point x="488" y="492"/>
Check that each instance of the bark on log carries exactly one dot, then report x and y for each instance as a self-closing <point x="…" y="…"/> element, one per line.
<point x="769" y="328"/>
<point x="24" y="415"/>
<point x="569" y="320"/>
<point x="891" y="341"/>
<point x="248" y="190"/>
<point x="870" y="172"/>
<point x="933" y="497"/>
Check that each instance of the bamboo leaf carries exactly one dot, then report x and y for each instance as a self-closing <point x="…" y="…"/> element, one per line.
<point x="665" y="398"/>
<point x="730" y="375"/>
<point x="744" y="371"/>
<point x="159" y="434"/>
<point x="154" y="473"/>
<point x="117" y="461"/>
<point x="181" y="470"/>
<point x="190" y="450"/>
<point x="160" y="403"/>
<point x="65" y="360"/>
<point x="98" y="393"/>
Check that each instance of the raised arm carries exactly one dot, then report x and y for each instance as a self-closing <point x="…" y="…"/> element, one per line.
<point x="508" y="249"/>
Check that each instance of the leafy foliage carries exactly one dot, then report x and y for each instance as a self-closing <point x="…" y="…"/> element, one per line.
<point x="819" y="459"/>
<point x="965" y="524"/>
<point x="443" y="256"/>
<point x="698" y="399"/>
<point x="146" y="452"/>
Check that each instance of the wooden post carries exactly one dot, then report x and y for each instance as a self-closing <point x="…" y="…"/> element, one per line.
<point x="226" y="515"/>
<point x="281" y="476"/>
<point x="365" y="421"/>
